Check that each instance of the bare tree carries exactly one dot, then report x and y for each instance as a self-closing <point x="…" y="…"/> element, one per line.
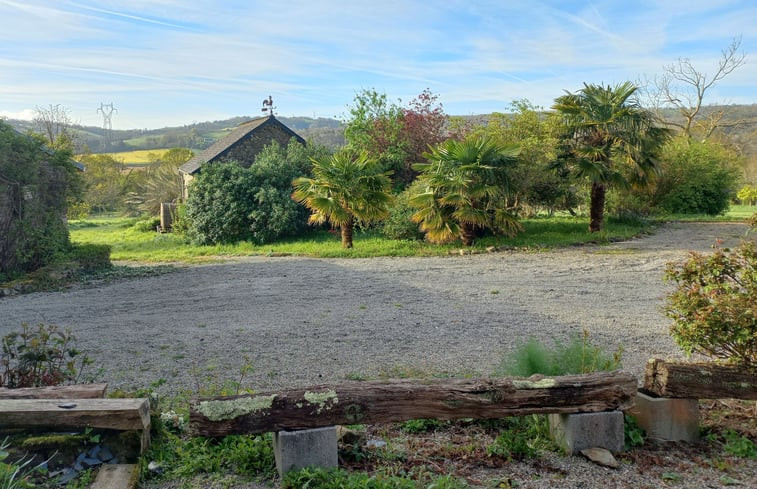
<point x="54" y="122"/>
<point x="683" y="87"/>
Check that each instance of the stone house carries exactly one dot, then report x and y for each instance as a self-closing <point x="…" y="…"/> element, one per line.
<point x="240" y="145"/>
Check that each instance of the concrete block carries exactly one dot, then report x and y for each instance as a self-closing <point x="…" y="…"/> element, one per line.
<point x="305" y="448"/>
<point x="667" y="419"/>
<point x="575" y="432"/>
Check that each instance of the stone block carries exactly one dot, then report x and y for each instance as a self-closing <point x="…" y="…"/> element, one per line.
<point x="305" y="448"/>
<point x="575" y="432"/>
<point x="667" y="419"/>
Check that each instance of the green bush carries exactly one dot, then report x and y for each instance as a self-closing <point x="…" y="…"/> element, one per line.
<point x="91" y="256"/>
<point x="228" y="203"/>
<point x="40" y="356"/>
<point x="399" y="224"/>
<point x="697" y="178"/>
<point x="147" y="225"/>
<point x="578" y="357"/>
<point x="713" y="304"/>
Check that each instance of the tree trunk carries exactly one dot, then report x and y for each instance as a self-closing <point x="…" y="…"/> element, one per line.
<point x="699" y="380"/>
<point x="347" y="230"/>
<point x="597" y="211"/>
<point x="400" y="400"/>
<point x="467" y="233"/>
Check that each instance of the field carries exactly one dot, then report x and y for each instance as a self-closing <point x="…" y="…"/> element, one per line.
<point x="139" y="157"/>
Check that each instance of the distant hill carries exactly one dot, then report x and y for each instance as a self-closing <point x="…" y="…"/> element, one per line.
<point x="326" y="131"/>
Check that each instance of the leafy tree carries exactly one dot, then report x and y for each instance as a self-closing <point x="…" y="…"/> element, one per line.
<point x="229" y="203"/>
<point x="696" y="177"/>
<point x="747" y="195"/>
<point x="463" y="187"/>
<point x="345" y="188"/>
<point x="34" y="183"/>
<point x="396" y="136"/>
<point x="610" y="139"/>
<point x="107" y="182"/>
<point x="533" y="186"/>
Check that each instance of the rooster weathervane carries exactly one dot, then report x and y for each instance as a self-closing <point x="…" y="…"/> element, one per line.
<point x="268" y="105"/>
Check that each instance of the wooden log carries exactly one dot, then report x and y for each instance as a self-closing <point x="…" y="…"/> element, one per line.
<point x="115" y="414"/>
<point x="699" y="380"/>
<point x="400" y="400"/>
<point x="79" y="391"/>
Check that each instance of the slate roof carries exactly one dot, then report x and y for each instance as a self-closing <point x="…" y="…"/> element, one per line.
<point x="230" y="140"/>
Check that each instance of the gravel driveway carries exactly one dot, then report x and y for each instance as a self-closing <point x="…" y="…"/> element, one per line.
<point x="301" y="321"/>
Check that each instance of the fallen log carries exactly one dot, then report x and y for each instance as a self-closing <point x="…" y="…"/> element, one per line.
<point x="699" y="380"/>
<point x="78" y="391"/>
<point x="400" y="400"/>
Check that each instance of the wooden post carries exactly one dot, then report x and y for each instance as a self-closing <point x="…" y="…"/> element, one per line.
<point x="399" y="400"/>
<point x="699" y="380"/>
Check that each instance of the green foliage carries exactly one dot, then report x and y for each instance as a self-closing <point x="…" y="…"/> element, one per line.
<point x="91" y="257"/>
<point x="13" y="475"/>
<point x="229" y="203"/>
<point x="421" y="425"/>
<point x="739" y="445"/>
<point x="183" y="457"/>
<point x="696" y="177"/>
<point x="34" y="186"/>
<point x="107" y="181"/>
<point x="633" y="434"/>
<point x="610" y="141"/>
<point x="522" y="437"/>
<point x="463" y="189"/>
<point x="146" y="225"/>
<point x="316" y="478"/>
<point x="345" y="189"/>
<point x="399" y="224"/>
<point x="40" y="356"/>
<point x="580" y="356"/>
<point x="160" y="182"/>
<point x="712" y="306"/>
<point x="747" y="195"/>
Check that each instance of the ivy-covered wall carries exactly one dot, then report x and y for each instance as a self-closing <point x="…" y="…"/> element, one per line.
<point x="33" y="190"/>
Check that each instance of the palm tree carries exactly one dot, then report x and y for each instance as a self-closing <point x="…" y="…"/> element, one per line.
<point x="464" y="185"/>
<point x="611" y="140"/>
<point x="345" y="189"/>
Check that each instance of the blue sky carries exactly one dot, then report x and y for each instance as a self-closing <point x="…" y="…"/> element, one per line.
<point x="173" y="62"/>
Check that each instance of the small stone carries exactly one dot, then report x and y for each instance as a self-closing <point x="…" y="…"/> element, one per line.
<point x="600" y="456"/>
<point x="91" y="462"/>
<point x="68" y="475"/>
<point x="67" y="405"/>
<point x="94" y="451"/>
<point x="114" y="461"/>
<point x="81" y="457"/>
<point x="78" y="467"/>
<point x="105" y="454"/>
<point x="375" y="443"/>
<point x="155" y="467"/>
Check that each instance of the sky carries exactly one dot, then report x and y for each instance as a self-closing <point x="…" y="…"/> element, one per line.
<point x="175" y="62"/>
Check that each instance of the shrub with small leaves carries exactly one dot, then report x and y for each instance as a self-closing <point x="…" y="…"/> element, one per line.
<point x="714" y="304"/>
<point x="40" y="356"/>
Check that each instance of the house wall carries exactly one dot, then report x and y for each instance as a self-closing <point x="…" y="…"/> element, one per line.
<point x="245" y="151"/>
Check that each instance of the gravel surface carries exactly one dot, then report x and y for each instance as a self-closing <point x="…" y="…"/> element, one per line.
<point x="300" y="321"/>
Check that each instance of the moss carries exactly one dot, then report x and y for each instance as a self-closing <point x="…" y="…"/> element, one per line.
<point x="53" y="441"/>
<point x="232" y="408"/>
<point x="534" y="384"/>
<point x="321" y="399"/>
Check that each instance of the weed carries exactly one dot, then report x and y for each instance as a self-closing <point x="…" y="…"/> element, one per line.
<point x="15" y="475"/>
<point x="40" y="356"/>
<point x="671" y="476"/>
<point x="524" y="437"/>
<point x="632" y="432"/>
<point x="312" y="478"/>
<point x="578" y="357"/>
<point x="421" y="425"/>
<point x="739" y="445"/>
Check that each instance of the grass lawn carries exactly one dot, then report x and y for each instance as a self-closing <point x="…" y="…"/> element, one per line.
<point x="129" y="243"/>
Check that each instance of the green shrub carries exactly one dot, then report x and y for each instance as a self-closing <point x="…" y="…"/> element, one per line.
<point x="147" y="225"/>
<point x="712" y="306"/>
<point x="399" y="224"/>
<point x="40" y="356"/>
<point x="578" y="357"/>
<point x="739" y="445"/>
<point x="91" y="256"/>
<point x="523" y="437"/>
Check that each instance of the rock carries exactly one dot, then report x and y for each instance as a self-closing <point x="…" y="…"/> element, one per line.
<point x="94" y="451"/>
<point x="91" y="462"/>
<point x="68" y="476"/>
<point x="350" y="437"/>
<point x="600" y="456"/>
<point x="155" y="467"/>
<point x="105" y="454"/>
<point x="375" y="443"/>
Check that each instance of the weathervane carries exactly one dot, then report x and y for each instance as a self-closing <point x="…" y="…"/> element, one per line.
<point x="268" y="105"/>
